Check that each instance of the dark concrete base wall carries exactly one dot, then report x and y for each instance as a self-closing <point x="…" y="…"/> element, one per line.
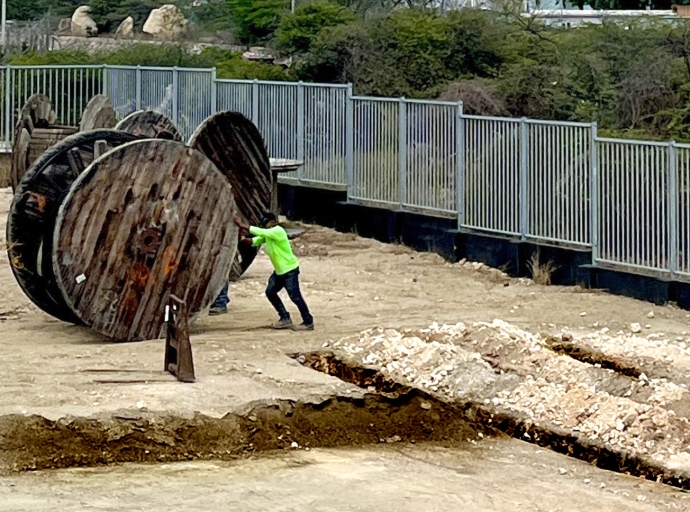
<point x="435" y="234"/>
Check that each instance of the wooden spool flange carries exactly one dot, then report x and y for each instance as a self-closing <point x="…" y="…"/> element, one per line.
<point x="33" y="211"/>
<point x="150" y="124"/>
<point x="139" y="224"/>
<point x="236" y="146"/>
<point x="98" y="114"/>
<point x="36" y="114"/>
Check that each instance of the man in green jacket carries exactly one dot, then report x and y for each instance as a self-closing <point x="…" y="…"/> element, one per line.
<point x="286" y="273"/>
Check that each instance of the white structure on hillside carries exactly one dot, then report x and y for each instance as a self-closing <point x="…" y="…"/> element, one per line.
<point x="576" y="17"/>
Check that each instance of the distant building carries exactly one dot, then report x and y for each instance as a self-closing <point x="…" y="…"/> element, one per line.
<point x="577" y="17"/>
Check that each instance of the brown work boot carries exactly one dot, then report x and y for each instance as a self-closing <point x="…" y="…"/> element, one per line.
<point x="282" y="324"/>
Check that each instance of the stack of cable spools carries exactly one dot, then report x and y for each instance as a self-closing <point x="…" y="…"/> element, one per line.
<point x="111" y="221"/>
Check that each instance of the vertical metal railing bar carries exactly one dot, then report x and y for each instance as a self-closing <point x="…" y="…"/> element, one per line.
<point x="402" y="152"/>
<point x="300" y="128"/>
<point x="594" y="197"/>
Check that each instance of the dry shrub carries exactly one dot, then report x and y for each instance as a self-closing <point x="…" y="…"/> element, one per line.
<point x="541" y="273"/>
<point x="478" y="98"/>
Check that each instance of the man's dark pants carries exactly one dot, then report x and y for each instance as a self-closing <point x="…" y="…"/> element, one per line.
<point x="289" y="281"/>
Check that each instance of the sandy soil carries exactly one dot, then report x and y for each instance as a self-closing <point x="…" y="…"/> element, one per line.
<point x="498" y="476"/>
<point x="351" y="284"/>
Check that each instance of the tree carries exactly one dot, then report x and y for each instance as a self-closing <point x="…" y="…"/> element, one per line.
<point x="257" y="20"/>
<point x="298" y="31"/>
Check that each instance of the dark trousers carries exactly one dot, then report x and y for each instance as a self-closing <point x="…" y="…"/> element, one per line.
<point x="290" y="282"/>
<point x="222" y="300"/>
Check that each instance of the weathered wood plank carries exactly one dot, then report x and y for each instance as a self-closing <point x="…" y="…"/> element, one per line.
<point x="40" y="110"/>
<point x="44" y="138"/>
<point x="235" y="145"/>
<point x="32" y="114"/>
<point x="20" y="154"/>
<point x="98" y="114"/>
<point x="142" y="223"/>
<point x="32" y="215"/>
<point x="148" y="123"/>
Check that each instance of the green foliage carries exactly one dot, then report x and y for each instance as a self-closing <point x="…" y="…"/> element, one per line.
<point x="228" y="64"/>
<point x="298" y="31"/>
<point x="256" y="20"/>
<point x="37" y="9"/>
<point x="232" y="65"/>
<point x="632" y="78"/>
<point x="108" y="14"/>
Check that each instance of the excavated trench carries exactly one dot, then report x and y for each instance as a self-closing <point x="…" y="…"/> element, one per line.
<point x="385" y="412"/>
<point x="36" y="443"/>
<point x="510" y="423"/>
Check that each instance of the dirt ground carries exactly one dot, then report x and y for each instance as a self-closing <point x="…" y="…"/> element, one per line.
<point x="54" y="370"/>
<point x="498" y="476"/>
<point x="351" y="284"/>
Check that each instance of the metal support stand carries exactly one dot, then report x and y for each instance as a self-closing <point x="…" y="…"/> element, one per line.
<point x="178" y="348"/>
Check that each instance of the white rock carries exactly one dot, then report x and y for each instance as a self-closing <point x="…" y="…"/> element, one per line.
<point x="562" y="471"/>
<point x="166" y="23"/>
<point x="126" y="28"/>
<point x="141" y="404"/>
<point x="650" y="314"/>
<point x="294" y="444"/>
<point x="635" y="328"/>
<point x="82" y="23"/>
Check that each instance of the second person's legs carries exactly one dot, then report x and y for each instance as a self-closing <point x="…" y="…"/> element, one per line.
<point x="292" y="287"/>
<point x="275" y="284"/>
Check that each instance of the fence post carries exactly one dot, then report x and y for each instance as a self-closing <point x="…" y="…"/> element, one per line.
<point x="175" y="96"/>
<point x="214" y="91"/>
<point x="349" y="141"/>
<point x="524" y="178"/>
<point x="300" y="128"/>
<point x="594" y="193"/>
<point x="402" y="149"/>
<point x="137" y="87"/>
<point x="8" y="105"/>
<point x="460" y="153"/>
<point x="673" y="208"/>
<point x="255" y="102"/>
<point x="105" y="77"/>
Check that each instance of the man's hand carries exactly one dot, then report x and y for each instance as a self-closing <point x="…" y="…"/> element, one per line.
<point x="240" y="224"/>
<point x="246" y="241"/>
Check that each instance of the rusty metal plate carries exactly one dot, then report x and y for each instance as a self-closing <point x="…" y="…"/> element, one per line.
<point x="150" y="124"/>
<point x="141" y="223"/>
<point x="235" y="145"/>
<point x="34" y="208"/>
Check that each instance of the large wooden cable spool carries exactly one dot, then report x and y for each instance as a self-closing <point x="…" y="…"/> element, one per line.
<point x="139" y="224"/>
<point x="235" y="145"/>
<point x="36" y="117"/>
<point x="148" y="123"/>
<point x="98" y="114"/>
<point x="33" y="211"/>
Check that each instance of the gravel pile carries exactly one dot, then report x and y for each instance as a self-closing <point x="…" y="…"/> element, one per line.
<point x="635" y="349"/>
<point x="511" y="369"/>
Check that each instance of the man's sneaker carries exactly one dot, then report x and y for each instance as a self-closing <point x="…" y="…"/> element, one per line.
<point x="303" y="327"/>
<point x="216" y="310"/>
<point x="282" y="324"/>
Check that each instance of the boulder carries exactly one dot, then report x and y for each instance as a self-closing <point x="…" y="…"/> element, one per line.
<point x="82" y="23"/>
<point x="259" y="54"/>
<point x="126" y="28"/>
<point x="65" y="27"/>
<point x="166" y="23"/>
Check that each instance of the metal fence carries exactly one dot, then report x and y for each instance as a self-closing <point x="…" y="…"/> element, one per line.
<point x="552" y="182"/>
